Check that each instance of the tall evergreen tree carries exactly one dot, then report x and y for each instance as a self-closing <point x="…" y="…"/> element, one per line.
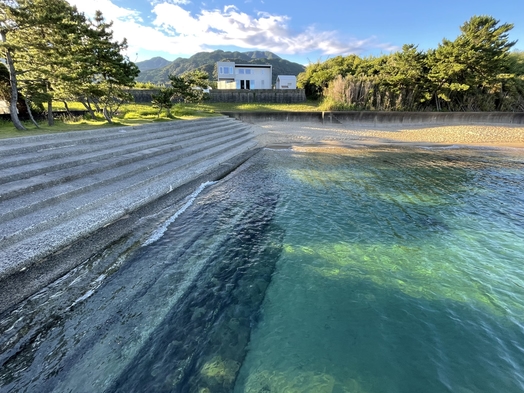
<point x="9" y="25"/>
<point x="472" y="63"/>
<point x="54" y="52"/>
<point x="112" y="72"/>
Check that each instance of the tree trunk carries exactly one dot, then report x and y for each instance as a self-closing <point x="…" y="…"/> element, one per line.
<point x="437" y="104"/>
<point x="107" y="116"/>
<point x="14" y="88"/>
<point x="67" y="108"/>
<point x="86" y="104"/>
<point x="96" y="106"/>
<point x="28" y="104"/>
<point x="50" y="119"/>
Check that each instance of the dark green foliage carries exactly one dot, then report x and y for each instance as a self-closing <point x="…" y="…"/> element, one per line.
<point x="190" y="86"/>
<point x="4" y="82"/>
<point x="112" y="72"/>
<point x="475" y="72"/>
<point x="163" y="100"/>
<point x="55" y="53"/>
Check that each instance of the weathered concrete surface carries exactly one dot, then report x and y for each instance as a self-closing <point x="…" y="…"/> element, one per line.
<point x="258" y="95"/>
<point x="66" y="196"/>
<point x="236" y="95"/>
<point x="383" y="118"/>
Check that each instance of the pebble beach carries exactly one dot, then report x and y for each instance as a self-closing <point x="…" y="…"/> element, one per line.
<point x="286" y="134"/>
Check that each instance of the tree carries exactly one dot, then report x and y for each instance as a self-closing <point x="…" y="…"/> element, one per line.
<point x="190" y="86"/>
<point x="470" y="64"/>
<point x="317" y="76"/>
<point x="8" y="25"/>
<point x="54" y="52"/>
<point x="51" y="34"/>
<point x="111" y="72"/>
<point x="4" y="83"/>
<point x="163" y="99"/>
<point x="404" y="75"/>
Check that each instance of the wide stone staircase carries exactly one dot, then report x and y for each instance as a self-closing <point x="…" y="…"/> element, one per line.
<point x="58" y="188"/>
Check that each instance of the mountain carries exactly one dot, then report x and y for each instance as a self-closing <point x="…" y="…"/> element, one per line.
<point x="151" y="64"/>
<point x="206" y="61"/>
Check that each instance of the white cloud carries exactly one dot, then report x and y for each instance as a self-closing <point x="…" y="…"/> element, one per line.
<point x="154" y="2"/>
<point x="230" y="27"/>
<point x="110" y="10"/>
<point x="175" y="30"/>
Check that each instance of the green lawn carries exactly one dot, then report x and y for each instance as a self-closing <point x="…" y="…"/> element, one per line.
<point x="307" y="106"/>
<point x="134" y="114"/>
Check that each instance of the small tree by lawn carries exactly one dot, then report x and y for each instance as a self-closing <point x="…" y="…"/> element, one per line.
<point x="163" y="100"/>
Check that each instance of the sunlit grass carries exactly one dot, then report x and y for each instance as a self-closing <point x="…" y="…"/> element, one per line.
<point x="136" y="114"/>
<point x="128" y="115"/>
<point x="307" y="106"/>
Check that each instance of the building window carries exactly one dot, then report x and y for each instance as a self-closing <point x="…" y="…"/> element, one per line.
<point x="241" y="71"/>
<point x="262" y="82"/>
<point x="248" y="71"/>
<point x="252" y="84"/>
<point x="221" y="70"/>
<point x="231" y="70"/>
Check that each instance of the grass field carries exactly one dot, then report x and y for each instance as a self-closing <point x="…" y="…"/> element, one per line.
<point x="134" y="114"/>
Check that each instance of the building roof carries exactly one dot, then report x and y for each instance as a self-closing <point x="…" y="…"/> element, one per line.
<point x="281" y="77"/>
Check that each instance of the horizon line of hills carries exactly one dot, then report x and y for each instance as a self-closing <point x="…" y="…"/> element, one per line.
<point x="158" y="69"/>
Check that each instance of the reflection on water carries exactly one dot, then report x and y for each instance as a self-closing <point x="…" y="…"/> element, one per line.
<point x="368" y="270"/>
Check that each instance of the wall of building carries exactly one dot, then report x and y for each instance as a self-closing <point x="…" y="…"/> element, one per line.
<point x="286" y="82"/>
<point x="226" y="85"/>
<point x="260" y="95"/>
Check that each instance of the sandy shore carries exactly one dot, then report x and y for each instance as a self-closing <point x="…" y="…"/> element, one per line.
<point x="285" y="134"/>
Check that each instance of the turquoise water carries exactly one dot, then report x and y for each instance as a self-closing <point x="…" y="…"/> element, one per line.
<point x="353" y="270"/>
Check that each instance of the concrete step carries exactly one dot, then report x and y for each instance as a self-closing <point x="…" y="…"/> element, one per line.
<point x="14" y="146"/>
<point x="58" y="190"/>
<point x="12" y="170"/>
<point x="29" y="153"/>
<point x="56" y="232"/>
<point x="45" y="177"/>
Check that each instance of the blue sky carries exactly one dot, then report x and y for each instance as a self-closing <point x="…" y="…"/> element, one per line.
<point x="301" y="31"/>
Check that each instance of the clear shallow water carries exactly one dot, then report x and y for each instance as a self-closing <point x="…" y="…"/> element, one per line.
<point x="365" y="270"/>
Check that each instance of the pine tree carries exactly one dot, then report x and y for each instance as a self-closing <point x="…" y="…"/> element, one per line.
<point x="112" y="72"/>
<point x="9" y="25"/>
<point x="471" y="64"/>
<point x="54" y="52"/>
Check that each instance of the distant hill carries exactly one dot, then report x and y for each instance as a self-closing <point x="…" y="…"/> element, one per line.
<point x="206" y="61"/>
<point x="151" y="64"/>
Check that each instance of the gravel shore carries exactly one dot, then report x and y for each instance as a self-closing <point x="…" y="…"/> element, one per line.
<point x="285" y="134"/>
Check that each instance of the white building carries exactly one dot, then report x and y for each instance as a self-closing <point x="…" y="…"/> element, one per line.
<point x="244" y="76"/>
<point x="286" y="82"/>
